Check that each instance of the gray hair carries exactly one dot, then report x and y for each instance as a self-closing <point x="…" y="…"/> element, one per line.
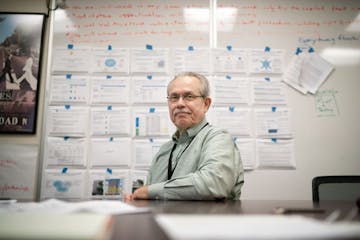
<point x="204" y="82"/>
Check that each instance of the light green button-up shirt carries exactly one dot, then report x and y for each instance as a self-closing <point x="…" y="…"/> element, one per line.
<point x="206" y="166"/>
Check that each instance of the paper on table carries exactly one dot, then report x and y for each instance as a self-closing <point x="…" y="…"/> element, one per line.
<point x="58" y="206"/>
<point x="55" y="226"/>
<point x="253" y="227"/>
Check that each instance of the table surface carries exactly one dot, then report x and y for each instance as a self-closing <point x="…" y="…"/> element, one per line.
<point x="143" y="225"/>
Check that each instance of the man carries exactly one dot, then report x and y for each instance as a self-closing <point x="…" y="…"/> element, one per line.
<point x="7" y="68"/>
<point x="201" y="162"/>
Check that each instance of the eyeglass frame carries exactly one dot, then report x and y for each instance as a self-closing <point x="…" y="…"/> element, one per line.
<point x="188" y="97"/>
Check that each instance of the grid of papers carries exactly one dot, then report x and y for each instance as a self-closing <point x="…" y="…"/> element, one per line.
<point x="107" y="116"/>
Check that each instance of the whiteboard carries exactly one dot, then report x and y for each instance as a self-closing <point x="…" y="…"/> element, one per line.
<point x="133" y="23"/>
<point x="326" y="138"/>
<point x="326" y="128"/>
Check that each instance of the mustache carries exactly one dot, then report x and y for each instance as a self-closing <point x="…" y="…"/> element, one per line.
<point x="177" y="110"/>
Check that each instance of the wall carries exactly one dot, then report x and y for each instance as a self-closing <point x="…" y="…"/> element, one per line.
<point x="34" y="6"/>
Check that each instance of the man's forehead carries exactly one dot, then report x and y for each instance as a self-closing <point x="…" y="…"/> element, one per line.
<point x="185" y="82"/>
<point x="183" y="92"/>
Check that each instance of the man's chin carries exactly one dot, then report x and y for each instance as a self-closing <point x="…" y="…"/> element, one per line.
<point x="182" y="124"/>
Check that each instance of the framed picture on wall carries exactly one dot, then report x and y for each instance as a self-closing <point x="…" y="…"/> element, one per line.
<point x="21" y="36"/>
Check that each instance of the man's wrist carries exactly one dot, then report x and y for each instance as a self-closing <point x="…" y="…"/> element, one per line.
<point x="156" y="191"/>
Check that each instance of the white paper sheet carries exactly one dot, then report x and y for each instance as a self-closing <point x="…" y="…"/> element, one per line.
<point x="246" y="147"/>
<point x="58" y="206"/>
<point x="68" y="120"/>
<point x="108" y="183"/>
<point x="273" y="122"/>
<point x="235" y="119"/>
<point x="307" y="71"/>
<point x="110" y="120"/>
<point x="111" y="60"/>
<point x="17" y="170"/>
<point x="292" y="73"/>
<point x="110" y="89"/>
<point x="192" y="59"/>
<point x="149" y="89"/>
<point x="66" y="151"/>
<point x="150" y="60"/>
<point x="69" y="89"/>
<point x="152" y="121"/>
<point x="263" y="61"/>
<point x="326" y="103"/>
<point x="110" y="151"/>
<point x="268" y="91"/>
<point x="314" y="72"/>
<point x="63" y="183"/>
<point x="144" y="150"/>
<point x="253" y="227"/>
<point x="230" y="90"/>
<point x="232" y="60"/>
<point x="275" y="153"/>
<point x="71" y="59"/>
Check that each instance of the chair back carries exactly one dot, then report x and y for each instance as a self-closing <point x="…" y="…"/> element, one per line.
<point x="345" y="188"/>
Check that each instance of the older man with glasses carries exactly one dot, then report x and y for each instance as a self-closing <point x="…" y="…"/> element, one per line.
<point x="201" y="162"/>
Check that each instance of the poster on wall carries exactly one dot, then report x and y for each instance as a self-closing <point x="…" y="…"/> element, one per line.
<point x="21" y="37"/>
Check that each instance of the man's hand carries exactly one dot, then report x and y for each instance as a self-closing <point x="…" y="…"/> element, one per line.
<point x="141" y="193"/>
<point x="127" y="197"/>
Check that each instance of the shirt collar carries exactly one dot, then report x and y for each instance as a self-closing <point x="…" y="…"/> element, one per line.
<point x="189" y="133"/>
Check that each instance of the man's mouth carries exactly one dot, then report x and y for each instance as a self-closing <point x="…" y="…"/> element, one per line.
<point x="182" y="111"/>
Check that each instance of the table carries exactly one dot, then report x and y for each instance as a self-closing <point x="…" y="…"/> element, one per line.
<point x="143" y="225"/>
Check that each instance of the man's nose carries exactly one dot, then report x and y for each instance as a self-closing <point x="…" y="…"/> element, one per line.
<point x="181" y="101"/>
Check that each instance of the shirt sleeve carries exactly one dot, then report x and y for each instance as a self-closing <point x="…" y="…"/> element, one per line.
<point x="214" y="178"/>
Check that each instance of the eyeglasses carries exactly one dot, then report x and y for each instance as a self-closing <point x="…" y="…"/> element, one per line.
<point x="187" y="97"/>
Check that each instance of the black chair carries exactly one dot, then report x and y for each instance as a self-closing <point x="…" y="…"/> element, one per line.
<point x="343" y="188"/>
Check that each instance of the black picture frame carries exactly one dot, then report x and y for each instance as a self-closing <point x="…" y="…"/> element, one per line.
<point x="21" y="40"/>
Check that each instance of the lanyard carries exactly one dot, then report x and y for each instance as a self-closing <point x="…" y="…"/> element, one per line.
<point x="170" y="170"/>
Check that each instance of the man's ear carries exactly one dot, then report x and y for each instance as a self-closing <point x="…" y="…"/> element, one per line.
<point x="207" y="102"/>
